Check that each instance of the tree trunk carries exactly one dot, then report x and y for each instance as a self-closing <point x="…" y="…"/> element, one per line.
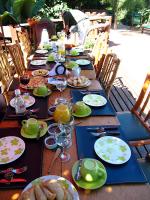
<point x="115" y="22"/>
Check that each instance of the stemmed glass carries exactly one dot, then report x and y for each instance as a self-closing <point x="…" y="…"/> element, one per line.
<point x="24" y="79"/>
<point x="63" y="139"/>
<point x="61" y="85"/>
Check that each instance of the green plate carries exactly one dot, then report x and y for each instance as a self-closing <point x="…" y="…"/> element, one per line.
<point x="43" y="131"/>
<point x="89" y="185"/>
<point x="89" y="111"/>
<point x="38" y="95"/>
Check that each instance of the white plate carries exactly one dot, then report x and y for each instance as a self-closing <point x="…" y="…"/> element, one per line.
<point x="38" y="62"/>
<point x="11" y="148"/>
<point x="71" y="187"/>
<point x="29" y="101"/>
<point x="83" y="62"/>
<point x="112" y="150"/>
<point x="41" y="51"/>
<point x="94" y="100"/>
<point x="80" y="50"/>
<point x="40" y="72"/>
<point x="81" y="86"/>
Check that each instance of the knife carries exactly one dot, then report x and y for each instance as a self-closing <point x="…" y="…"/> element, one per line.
<point x="14" y="180"/>
<point x="103" y="127"/>
<point x="78" y="174"/>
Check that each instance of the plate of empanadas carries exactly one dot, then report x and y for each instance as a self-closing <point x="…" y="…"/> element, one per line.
<point x="78" y="82"/>
<point x="50" y="188"/>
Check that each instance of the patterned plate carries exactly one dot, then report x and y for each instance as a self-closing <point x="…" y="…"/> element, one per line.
<point x="41" y="51"/>
<point x="94" y="100"/>
<point x="83" y="62"/>
<point x="29" y="101"/>
<point x="11" y="148"/>
<point x="112" y="150"/>
<point x="67" y="184"/>
<point x="38" y="62"/>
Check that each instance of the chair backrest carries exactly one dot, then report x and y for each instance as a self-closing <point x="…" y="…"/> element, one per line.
<point x="6" y="75"/>
<point x="38" y="28"/>
<point x="24" y="41"/>
<point x="25" y="44"/>
<point x="108" y="70"/>
<point x="100" y="48"/>
<point x="142" y="106"/>
<point x="17" y="57"/>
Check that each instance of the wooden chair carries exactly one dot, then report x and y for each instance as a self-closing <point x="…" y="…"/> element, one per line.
<point x="107" y="71"/>
<point x="6" y="72"/>
<point x="136" y="124"/>
<point x="17" y="57"/>
<point x="25" y="44"/>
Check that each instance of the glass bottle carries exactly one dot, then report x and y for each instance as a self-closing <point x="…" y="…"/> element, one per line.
<point x="19" y="103"/>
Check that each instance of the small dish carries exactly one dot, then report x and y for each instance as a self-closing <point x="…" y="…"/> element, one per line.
<point x="50" y="142"/>
<point x="51" y="110"/>
<point x="53" y="129"/>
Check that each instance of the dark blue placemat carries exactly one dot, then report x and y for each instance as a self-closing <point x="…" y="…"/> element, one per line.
<point x="96" y="111"/>
<point x="128" y="172"/>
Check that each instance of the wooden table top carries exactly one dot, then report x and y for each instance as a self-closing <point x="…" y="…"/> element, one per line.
<point x="115" y="192"/>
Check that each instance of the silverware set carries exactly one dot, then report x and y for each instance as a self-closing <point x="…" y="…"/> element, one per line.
<point x="104" y="131"/>
<point x="9" y="175"/>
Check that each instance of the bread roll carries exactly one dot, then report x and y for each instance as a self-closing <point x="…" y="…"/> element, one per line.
<point x="28" y="195"/>
<point x="39" y="193"/>
<point x="56" y="188"/>
<point x="48" y="194"/>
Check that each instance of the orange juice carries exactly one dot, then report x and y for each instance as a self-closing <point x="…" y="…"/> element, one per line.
<point x="62" y="113"/>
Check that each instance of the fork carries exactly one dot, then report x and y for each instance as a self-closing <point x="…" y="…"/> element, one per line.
<point x="89" y="92"/>
<point x="15" y="171"/>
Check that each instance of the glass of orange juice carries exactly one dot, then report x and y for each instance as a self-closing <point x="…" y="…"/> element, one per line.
<point x="62" y="113"/>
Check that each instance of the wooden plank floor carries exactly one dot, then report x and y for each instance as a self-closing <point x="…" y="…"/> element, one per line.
<point x="123" y="100"/>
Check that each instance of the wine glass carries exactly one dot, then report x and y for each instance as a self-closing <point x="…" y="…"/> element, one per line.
<point x="24" y="79"/>
<point x="61" y="85"/>
<point x="63" y="139"/>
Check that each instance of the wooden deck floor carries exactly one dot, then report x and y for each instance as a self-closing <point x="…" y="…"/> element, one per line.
<point x="123" y="100"/>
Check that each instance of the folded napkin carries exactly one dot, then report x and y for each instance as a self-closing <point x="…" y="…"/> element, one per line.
<point x="32" y="158"/>
<point x="129" y="172"/>
<point x="96" y="111"/>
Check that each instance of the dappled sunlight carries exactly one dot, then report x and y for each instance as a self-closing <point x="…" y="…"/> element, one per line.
<point x="109" y="189"/>
<point x="66" y="172"/>
<point x="15" y="196"/>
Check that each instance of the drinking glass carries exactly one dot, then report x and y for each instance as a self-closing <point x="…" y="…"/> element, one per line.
<point x="24" y="79"/>
<point x="63" y="139"/>
<point x="61" y="85"/>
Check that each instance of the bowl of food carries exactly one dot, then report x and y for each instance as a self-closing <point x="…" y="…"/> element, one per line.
<point x="80" y="109"/>
<point x="71" y="64"/>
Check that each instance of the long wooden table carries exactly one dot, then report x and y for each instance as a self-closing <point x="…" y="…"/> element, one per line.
<point x="115" y="192"/>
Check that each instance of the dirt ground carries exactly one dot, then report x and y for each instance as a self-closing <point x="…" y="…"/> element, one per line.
<point x="133" y="49"/>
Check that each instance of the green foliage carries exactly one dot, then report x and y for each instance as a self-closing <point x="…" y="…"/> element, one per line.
<point x="7" y="18"/>
<point x="22" y="9"/>
<point x="5" y="5"/>
<point x="145" y="15"/>
<point x="52" y="12"/>
<point x="37" y="6"/>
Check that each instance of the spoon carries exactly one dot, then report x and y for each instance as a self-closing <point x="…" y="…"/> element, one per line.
<point x="57" y="153"/>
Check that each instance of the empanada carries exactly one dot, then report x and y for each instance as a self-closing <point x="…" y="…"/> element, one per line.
<point x="56" y="188"/>
<point x="28" y="195"/>
<point x="39" y="193"/>
<point x="48" y="194"/>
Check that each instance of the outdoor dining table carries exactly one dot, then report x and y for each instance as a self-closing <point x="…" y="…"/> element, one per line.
<point x="112" y="192"/>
